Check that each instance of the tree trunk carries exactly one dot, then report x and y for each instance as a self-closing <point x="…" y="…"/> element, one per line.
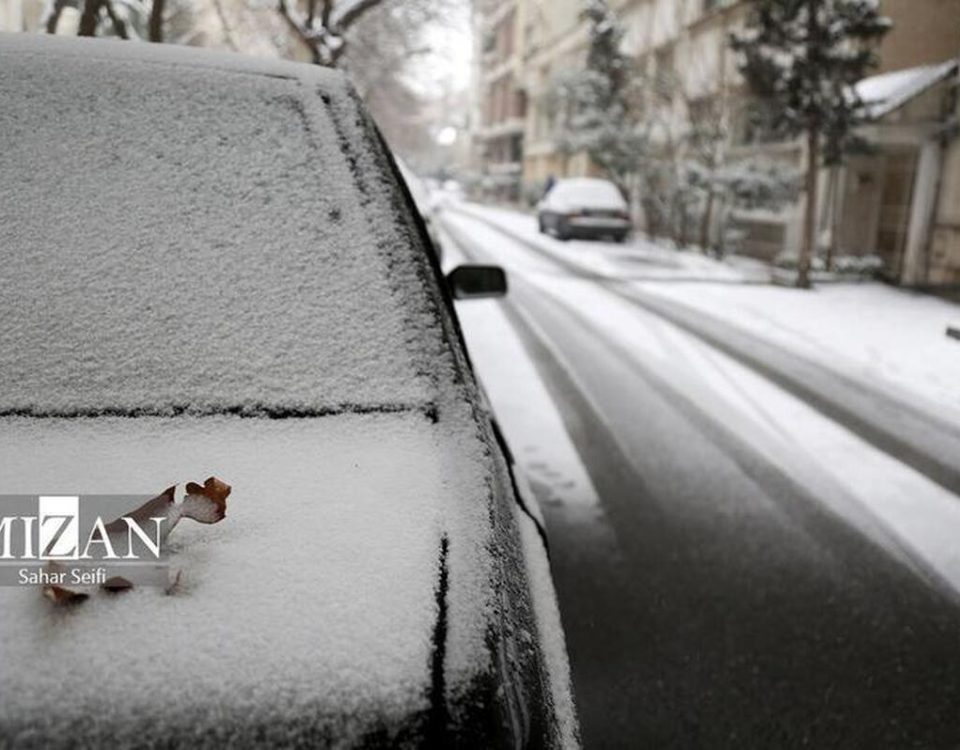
<point x="89" y="18"/>
<point x="156" y="21"/>
<point x="834" y="204"/>
<point x="705" y="222"/>
<point x="54" y="18"/>
<point x="682" y="232"/>
<point x="119" y="25"/>
<point x="810" y="215"/>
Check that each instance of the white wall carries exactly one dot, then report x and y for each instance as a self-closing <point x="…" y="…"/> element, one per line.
<point x="11" y="16"/>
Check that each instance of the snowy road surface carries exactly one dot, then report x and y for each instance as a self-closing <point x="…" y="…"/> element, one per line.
<point x="735" y="568"/>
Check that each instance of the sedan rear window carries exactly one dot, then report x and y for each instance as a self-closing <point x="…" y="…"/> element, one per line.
<point x="183" y="239"/>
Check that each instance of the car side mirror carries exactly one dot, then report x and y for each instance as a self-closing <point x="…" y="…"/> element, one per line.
<point x="476" y="282"/>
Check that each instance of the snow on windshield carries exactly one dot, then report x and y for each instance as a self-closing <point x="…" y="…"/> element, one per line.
<point x="184" y="239"/>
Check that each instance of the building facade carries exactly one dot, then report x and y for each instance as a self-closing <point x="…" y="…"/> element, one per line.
<point x="500" y="99"/>
<point x="21" y="15"/>
<point x="901" y="203"/>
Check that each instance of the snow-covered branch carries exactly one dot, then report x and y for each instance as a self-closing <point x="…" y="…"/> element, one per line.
<point x="325" y="36"/>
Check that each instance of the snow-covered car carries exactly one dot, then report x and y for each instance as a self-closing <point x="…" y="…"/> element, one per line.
<point x="210" y="268"/>
<point x="585" y="208"/>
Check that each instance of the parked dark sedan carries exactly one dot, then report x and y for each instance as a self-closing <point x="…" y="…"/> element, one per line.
<point x="584" y="208"/>
<point x="210" y="268"/>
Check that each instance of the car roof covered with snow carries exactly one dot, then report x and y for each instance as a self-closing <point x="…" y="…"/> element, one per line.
<point x="584" y="192"/>
<point x="208" y="270"/>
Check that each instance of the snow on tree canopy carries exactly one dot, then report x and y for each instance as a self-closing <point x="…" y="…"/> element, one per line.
<point x="181" y="238"/>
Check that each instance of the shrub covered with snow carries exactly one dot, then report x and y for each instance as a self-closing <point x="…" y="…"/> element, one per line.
<point x="855" y="265"/>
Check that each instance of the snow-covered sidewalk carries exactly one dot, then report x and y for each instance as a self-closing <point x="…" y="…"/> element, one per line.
<point x="881" y="334"/>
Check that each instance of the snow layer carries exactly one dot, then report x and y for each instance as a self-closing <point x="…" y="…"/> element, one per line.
<point x="176" y="237"/>
<point x="877" y="332"/>
<point x="531" y="422"/>
<point x="308" y="611"/>
<point x="551" y="633"/>
<point x="547" y="466"/>
<point x="899" y="508"/>
<point x="584" y="192"/>
<point x="888" y="91"/>
<point x="911" y="516"/>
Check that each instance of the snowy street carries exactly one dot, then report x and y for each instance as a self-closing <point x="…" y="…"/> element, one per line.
<point x="750" y="494"/>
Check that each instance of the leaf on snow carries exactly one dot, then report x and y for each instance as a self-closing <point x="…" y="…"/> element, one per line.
<point x="205" y="504"/>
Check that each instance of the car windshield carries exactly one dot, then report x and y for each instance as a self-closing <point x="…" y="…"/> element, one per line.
<point x="176" y="239"/>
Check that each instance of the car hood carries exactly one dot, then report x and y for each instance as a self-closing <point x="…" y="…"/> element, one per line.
<point x="309" y="614"/>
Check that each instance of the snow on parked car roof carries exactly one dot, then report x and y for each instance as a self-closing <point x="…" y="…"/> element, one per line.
<point x="587" y="192"/>
<point x="177" y="237"/>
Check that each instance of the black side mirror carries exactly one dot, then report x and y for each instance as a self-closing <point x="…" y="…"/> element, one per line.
<point x="474" y="282"/>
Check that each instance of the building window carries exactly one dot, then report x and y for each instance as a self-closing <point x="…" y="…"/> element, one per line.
<point x="489" y="42"/>
<point x="664" y="80"/>
<point x="505" y="33"/>
<point x="520" y="104"/>
<point x="516" y="148"/>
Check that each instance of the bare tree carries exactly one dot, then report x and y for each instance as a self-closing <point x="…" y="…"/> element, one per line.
<point x="386" y="54"/>
<point x="90" y="18"/>
<point x="381" y="50"/>
<point x="56" y="10"/>
<point x="154" y="20"/>
<point x="324" y="33"/>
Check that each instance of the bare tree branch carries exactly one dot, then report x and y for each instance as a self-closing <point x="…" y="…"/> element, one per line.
<point x="225" y="23"/>
<point x="54" y="17"/>
<point x="89" y="18"/>
<point x="328" y="36"/>
<point x="354" y="13"/>
<point x="119" y="25"/>
<point x="300" y="31"/>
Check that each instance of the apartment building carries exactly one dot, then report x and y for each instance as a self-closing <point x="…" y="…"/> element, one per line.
<point x="500" y="99"/>
<point x="20" y="15"/>
<point x="901" y="203"/>
<point x="894" y="202"/>
<point x="943" y="257"/>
